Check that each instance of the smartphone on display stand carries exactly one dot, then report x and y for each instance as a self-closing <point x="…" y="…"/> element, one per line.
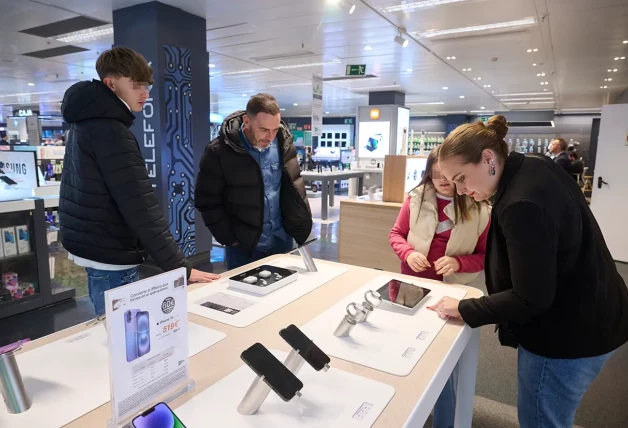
<point x="160" y="416"/>
<point x="307" y="349"/>
<point x="402" y="295"/>
<point x="281" y="380"/>
<point x="305" y="244"/>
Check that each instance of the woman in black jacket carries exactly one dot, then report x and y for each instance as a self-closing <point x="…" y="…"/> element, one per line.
<point x="554" y="290"/>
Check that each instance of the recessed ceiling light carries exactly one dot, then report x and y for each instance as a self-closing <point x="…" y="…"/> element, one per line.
<point x="461" y="96"/>
<point x="31" y="84"/>
<point x="445" y="87"/>
<point x="352" y="9"/>
<point x="482" y="108"/>
<point x="212" y="65"/>
<point x="534" y="64"/>
<point x="327" y="111"/>
<point x="84" y="36"/>
<point x="623" y="57"/>
<point x="451" y="57"/>
<point x="536" y="50"/>
<point x="244" y="95"/>
<point x="479" y="78"/>
<point x="430" y="103"/>
<point x="615" y="70"/>
<point x="616" y="58"/>
<point x="609" y="70"/>
<point x="529" y="50"/>
<point x="527" y="99"/>
<point x="295" y="104"/>
<point x="492" y="92"/>
<point x="409" y="70"/>
<point x="609" y="80"/>
<point x="497" y="26"/>
<point x="368" y="48"/>
<point x="626" y="42"/>
<point x="545" y="89"/>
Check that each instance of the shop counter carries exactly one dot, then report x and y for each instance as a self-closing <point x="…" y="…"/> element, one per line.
<point x="363" y="234"/>
<point x="415" y="394"/>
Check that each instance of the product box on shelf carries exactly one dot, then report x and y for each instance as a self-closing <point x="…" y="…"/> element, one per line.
<point x="9" y="242"/>
<point x="23" y="241"/>
<point x="10" y="281"/>
<point x="1" y="246"/>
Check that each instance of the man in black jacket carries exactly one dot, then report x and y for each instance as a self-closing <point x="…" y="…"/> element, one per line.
<point x="558" y="148"/>
<point x="109" y="215"/>
<point x="249" y="188"/>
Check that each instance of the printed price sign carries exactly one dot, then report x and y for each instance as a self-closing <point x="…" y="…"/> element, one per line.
<point x="147" y="334"/>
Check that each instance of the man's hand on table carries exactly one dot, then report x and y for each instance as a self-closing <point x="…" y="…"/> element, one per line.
<point x="200" y="276"/>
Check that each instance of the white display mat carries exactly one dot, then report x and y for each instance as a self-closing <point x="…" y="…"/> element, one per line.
<point x="390" y="342"/>
<point x="241" y="309"/>
<point x="332" y="399"/>
<point x="70" y="377"/>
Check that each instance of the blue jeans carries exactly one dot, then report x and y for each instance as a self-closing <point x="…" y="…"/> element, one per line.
<point x="238" y="256"/>
<point x="445" y="407"/>
<point x="99" y="281"/>
<point x="550" y="390"/>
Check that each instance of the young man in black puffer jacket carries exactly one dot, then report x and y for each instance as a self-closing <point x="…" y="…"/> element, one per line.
<point x="110" y="217"/>
<point x="249" y="188"/>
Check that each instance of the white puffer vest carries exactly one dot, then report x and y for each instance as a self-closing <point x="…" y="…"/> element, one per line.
<point x="464" y="235"/>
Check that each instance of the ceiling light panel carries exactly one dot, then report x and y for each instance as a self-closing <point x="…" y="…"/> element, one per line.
<point x="526" y="22"/>
<point x="523" y="94"/>
<point x="412" y="6"/>
<point x="84" y="36"/>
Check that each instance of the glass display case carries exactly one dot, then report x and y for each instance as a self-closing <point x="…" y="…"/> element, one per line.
<point x="25" y="266"/>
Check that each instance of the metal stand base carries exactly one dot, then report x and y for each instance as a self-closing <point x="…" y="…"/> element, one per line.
<point x="307" y="259"/>
<point x="258" y="391"/>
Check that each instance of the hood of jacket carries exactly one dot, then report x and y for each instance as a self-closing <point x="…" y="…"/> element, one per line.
<point x="231" y="126"/>
<point x="94" y="100"/>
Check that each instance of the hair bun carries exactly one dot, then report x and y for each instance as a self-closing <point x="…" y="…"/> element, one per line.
<point x="499" y="125"/>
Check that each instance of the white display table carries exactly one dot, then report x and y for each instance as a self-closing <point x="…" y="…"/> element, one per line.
<point x="414" y="394"/>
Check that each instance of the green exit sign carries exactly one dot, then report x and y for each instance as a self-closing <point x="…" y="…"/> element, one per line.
<point x="356" y="70"/>
<point x="484" y="119"/>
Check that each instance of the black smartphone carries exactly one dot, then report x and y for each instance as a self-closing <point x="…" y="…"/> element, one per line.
<point x="305" y="244"/>
<point x="276" y="375"/>
<point x="307" y="349"/>
<point x="160" y="416"/>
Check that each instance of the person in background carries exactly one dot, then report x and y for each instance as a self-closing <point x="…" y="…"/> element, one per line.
<point x="558" y="148"/>
<point x="60" y="141"/>
<point x="249" y="188"/>
<point x="110" y="217"/>
<point x="4" y="140"/>
<point x="554" y="290"/>
<point x="441" y="235"/>
<point x="577" y="165"/>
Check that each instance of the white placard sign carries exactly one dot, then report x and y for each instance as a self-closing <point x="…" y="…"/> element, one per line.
<point x="317" y="106"/>
<point x="147" y="333"/>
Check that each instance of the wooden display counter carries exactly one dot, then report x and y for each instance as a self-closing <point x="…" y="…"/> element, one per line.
<point x="363" y="234"/>
<point x="415" y="394"/>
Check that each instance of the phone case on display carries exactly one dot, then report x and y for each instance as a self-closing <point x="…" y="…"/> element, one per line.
<point x="9" y="241"/>
<point x="23" y="241"/>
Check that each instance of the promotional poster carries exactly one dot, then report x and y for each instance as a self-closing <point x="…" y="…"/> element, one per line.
<point x="374" y="139"/>
<point x="148" y="341"/>
<point x="18" y="175"/>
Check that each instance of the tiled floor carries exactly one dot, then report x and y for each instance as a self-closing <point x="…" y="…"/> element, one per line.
<point x="604" y="406"/>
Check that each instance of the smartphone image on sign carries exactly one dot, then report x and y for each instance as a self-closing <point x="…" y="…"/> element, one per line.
<point x="130" y="334"/>
<point x="160" y="416"/>
<point x="276" y="375"/>
<point x="402" y="294"/>
<point x="307" y="349"/>
<point x="143" y="334"/>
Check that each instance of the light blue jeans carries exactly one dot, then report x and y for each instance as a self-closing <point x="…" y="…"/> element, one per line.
<point x="550" y="390"/>
<point x="99" y="281"/>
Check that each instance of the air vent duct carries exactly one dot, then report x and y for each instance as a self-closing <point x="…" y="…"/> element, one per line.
<point x="287" y="55"/>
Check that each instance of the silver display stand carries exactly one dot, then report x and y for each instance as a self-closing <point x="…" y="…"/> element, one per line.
<point x="307" y="258"/>
<point x="258" y="391"/>
<point x="11" y="384"/>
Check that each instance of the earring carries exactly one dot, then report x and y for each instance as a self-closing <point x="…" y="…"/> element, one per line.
<point x="492" y="168"/>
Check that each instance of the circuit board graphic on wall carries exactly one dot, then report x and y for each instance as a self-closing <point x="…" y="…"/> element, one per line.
<point x="177" y="151"/>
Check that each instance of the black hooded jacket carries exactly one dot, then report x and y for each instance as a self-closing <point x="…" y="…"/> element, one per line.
<point x="230" y="191"/>
<point x="107" y="209"/>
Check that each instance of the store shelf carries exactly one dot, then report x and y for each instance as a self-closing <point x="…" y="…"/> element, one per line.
<point x="60" y="293"/>
<point x="17" y="257"/>
<point x="14" y="206"/>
